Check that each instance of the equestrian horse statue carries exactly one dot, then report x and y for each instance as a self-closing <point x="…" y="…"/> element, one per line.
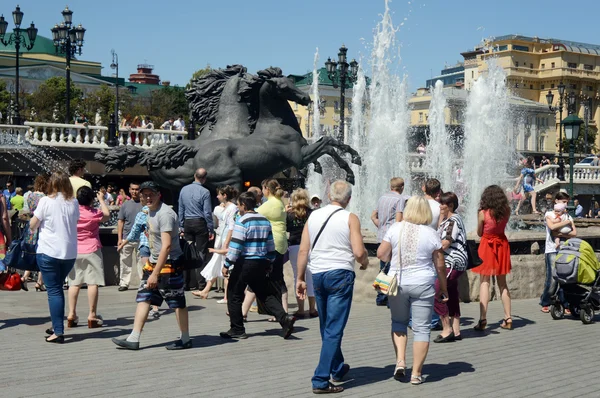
<point x="248" y="132"/>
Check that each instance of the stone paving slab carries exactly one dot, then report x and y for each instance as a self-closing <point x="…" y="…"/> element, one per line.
<point x="539" y="358"/>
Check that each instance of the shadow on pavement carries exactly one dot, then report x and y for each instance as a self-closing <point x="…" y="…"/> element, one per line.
<point x="34" y="321"/>
<point x="199" y="341"/>
<point x="437" y="371"/>
<point x="366" y="375"/>
<point x="277" y="332"/>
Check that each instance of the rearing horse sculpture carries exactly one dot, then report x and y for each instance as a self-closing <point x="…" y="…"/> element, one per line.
<point x="274" y="141"/>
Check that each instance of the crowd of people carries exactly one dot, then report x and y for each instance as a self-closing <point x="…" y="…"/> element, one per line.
<point x="248" y="237"/>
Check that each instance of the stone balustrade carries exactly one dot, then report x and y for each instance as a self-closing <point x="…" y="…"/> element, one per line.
<point x="83" y="136"/>
<point x="582" y="174"/>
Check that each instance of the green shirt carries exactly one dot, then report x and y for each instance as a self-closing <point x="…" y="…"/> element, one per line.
<point x="17" y="202"/>
<point x="274" y="210"/>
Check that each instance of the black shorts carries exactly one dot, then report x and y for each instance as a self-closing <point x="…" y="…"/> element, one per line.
<point x="169" y="289"/>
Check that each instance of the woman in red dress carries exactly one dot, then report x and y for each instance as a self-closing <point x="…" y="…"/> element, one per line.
<point x="494" y="251"/>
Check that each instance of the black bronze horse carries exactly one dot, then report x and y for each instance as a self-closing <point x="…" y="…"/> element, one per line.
<point x="249" y="133"/>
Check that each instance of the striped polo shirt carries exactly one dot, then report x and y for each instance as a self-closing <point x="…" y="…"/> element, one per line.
<point x="252" y="239"/>
<point x="388" y="205"/>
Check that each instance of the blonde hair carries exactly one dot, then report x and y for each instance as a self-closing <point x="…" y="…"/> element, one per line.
<point x="300" y="202"/>
<point x="417" y="211"/>
<point x="59" y="183"/>
<point x="397" y="184"/>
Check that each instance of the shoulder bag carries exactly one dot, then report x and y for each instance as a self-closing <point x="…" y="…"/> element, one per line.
<point x="388" y="284"/>
<point x="323" y="227"/>
<point x="20" y="254"/>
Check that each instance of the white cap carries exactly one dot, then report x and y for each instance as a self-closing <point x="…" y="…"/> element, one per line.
<point x="314" y="196"/>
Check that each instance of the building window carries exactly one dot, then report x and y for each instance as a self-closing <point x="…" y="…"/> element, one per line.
<point x="552" y="85"/>
<point x="543" y="66"/>
<point x="589" y="88"/>
<point x="542" y="87"/>
<point x="336" y="105"/>
<point x="426" y="117"/>
<point x="530" y="66"/>
<point x="531" y="86"/>
<point x="517" y="64"/>
<point x="573" y="86"/>
<point x="349" y="106"/>
<point x="420" y="117"/>
<point x="571" y="65"/>
<point x="588" y="67"/>
<point x="472" y="74"/>
<point x="552" y="65"/>
<point x="520" y="48"/>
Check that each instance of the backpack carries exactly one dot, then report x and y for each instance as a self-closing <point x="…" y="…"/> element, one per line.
<point x="576" y="263"/>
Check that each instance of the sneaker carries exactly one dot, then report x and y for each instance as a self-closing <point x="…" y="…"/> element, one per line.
<point x="178" y="345"/>
<point x="123" y="343"/>
<point x="123" y="288"/>
<point x="230" y="334"/>
<point x="222" y="301"/>
<point x="288" y="326"/>
<point x="154" y="314"/>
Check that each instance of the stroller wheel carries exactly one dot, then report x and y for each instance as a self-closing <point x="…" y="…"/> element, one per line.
<point x="557" y="311"/>
<point x="575" y="311"/>
<point x="587" y="315"/>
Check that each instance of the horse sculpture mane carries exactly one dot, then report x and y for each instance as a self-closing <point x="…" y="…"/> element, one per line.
<point x="249" y="88"/>
<point x="205" y="93"/>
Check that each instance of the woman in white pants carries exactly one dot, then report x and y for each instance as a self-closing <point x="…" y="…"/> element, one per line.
<point x="296" y="218"/>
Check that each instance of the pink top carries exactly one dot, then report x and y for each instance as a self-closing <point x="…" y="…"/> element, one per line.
<point x="88" y="230"/>
<point x="490" y="226"/>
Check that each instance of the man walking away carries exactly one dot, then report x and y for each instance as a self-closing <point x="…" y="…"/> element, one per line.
<point x="163" y="273"/>
<point x="196" y="222"/>
<point x="76" y="171"/>
<point x="248" y="263"/>
<point x="332" y="258"/>
<point x="389" y="210"/>
<point x="128" y="255"/>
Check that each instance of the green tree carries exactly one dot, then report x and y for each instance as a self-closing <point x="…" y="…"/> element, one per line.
<point x="580" y="143"/>
<point x="167" y="102"/>
<point x="4" y="100"/>
<point x="198" y="74"/>
<point x="52" y="94"/>
<point x="101" y="100"/>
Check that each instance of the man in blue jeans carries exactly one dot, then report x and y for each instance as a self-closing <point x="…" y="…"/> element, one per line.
<point x="332" y="237"/>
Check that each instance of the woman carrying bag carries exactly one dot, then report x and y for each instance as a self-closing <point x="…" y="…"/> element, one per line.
<point x="414" y="251"/>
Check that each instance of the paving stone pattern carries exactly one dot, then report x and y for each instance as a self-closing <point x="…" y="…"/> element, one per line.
<point x="540" y="357"/>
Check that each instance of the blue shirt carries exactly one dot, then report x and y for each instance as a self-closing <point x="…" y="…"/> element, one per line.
<point x="252" y="239"/>
<point x="579" y="211"/>
<point x="8" y="195"/>
<point x="194" y="202"/>
<point x="138" y="231"/>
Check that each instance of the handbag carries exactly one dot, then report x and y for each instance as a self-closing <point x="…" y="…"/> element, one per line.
<point x="473" y="259"/>
<point x="192" y="258"/>
<point x="22" y="255"/>
<point x="11" y="281"/>
<point x="388" y="284"/>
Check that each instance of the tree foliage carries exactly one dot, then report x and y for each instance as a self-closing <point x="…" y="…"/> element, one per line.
<point x="198" y="74"/>
<point x="4" y="100"/>
<point x="52" y="95"/>
<point x="580" y="142"/>
<point x="168" y="102"/>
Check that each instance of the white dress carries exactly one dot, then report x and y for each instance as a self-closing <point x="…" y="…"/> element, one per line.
<point x="225" y="217"/>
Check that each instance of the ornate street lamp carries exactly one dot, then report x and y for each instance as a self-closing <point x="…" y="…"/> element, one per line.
<point x="17" y="38"/>
<point x="341" y="74"/>
<point x="587" y="110"/>
<point x="572" y="125"/>
<point x="115" y="65"/>
<point x="68" y="40"/>
<point x="553" y="109"/>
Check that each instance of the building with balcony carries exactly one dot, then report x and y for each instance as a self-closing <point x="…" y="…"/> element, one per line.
<point x="535" y="66"/>
<point x="451" y="76"/>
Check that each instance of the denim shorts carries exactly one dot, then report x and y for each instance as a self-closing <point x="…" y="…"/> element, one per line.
<point x="144" y="251"/>
<point x="169" y="289"/>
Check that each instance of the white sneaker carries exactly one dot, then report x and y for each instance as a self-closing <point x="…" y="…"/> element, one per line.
<point x="222" y="301"/>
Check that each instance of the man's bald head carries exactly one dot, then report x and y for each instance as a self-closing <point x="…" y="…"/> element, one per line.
<point x="200" y="175"/>
<point x="257" y="192"/>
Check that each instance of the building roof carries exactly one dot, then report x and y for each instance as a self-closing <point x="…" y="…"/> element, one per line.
<point x="42" y="45"/>
<point x="572" y="46"/>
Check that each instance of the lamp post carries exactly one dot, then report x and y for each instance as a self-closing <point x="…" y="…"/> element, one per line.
<point x="572" y="125"/>
<point x="17" y="38"/>
<point x="553" y="109"/>
<point x="587" y="109"/>
<point x="115" y="65"/>
<point x="342" y="73"/>
<point x="67" y="40"/>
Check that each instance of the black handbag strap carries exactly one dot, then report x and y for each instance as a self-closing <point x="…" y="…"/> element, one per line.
<point x="323" y="227"/>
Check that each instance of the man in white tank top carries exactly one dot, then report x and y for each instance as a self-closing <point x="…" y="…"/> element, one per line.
<point x="332" y="257"/>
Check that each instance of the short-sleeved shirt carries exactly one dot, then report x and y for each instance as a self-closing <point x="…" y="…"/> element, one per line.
<point x="78" y="182"/>
<point x="417" y="264"/>
<point x="387" y="206"/>
<point x="17" y="202"/>
<point x="274" y="210"/>
<point x="58" y="228"/>
<point x="295" y="226"/>
<point x="163" y="220"/>
<point x="452" y="229"/>
<point x="32" y="203"/>
<point x="435" y="212"/>
<point x="127" y="213"/>
<point x="88" y="230"/>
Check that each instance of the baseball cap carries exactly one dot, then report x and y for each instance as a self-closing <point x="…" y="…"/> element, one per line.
<point x="149" y="185"/>
<point x="314" y="197"/>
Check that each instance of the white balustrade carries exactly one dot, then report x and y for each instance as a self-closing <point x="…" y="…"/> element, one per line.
<point x="88" y="136"/>
<point x="13" y="135"/>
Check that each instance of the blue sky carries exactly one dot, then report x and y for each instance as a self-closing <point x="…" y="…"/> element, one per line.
<point x="181" y="36"/>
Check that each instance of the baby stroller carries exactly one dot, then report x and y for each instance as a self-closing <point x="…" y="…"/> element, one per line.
<point x="577" y="271"/>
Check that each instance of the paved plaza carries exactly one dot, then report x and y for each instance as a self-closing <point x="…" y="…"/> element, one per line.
<point x="540" y="357"/>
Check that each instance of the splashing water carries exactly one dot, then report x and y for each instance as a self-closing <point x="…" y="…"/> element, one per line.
<point x="384" y="146"/>
<point x="439" y="158"/>
<point x="487" y="150"/>
<point x="314" y="181"/>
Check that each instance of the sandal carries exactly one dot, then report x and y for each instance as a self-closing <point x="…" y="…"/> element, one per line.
<point x="506" y="324"/>
<point x="95" y="323"/>
<point x="200" y="294"/>
<point x="400" y="371"/>
<point x="271" y="320"/>
<point x="313" y="314"/>
<point x="330" y="389"/>
<point x="416" y="380"/>
<point x="300" y="314"/>
<point x="72" y="322"/>
<point x="480" y="327"/>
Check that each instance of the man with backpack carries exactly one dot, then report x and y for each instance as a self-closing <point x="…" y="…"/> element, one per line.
<point x="553" y="225"/>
